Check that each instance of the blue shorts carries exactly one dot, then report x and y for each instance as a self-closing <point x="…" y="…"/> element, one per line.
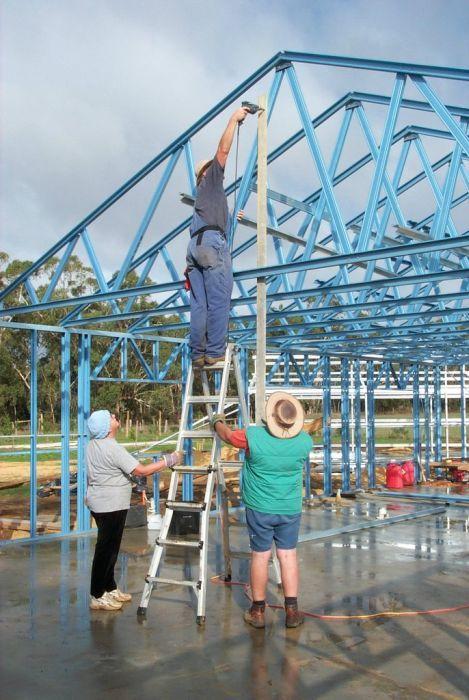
<point x="265" y="528"/>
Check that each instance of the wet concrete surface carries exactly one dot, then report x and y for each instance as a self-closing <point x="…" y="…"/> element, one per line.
<point x="53" y="646"/>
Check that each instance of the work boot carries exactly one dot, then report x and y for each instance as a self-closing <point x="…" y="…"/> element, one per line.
<point x="293" y="616"/>
<point x="255" y="617"/>
<point x="198" y="362"/>
<point x="214" y="360"/>
<point x="120" y="596"/>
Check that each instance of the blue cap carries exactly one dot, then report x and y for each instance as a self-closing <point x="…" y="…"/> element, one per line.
<point x="99" y="424"/>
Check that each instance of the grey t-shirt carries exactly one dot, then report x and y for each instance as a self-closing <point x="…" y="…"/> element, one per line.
<point x="211" y="203"/>
<point x="109" y="467"/>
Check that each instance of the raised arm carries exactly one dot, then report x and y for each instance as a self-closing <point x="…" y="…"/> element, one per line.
<point x="227" y="138"/>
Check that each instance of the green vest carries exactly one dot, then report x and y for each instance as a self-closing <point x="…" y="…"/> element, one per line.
<point x="273" y="471"/>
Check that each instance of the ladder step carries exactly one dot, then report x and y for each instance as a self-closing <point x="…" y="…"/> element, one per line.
<point x="197" y="434"/>
<point x="195" y="544"/>
<point x="218" y="365"/>
<point x="186" y="505"/>
<point x="160" y="579"/>
<point x="234" y="464"/>
<point x="212" y="398"/>
<point x="193" y="470"/>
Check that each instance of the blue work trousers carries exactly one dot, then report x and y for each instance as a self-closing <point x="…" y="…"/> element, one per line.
<point x="211" y="278"/>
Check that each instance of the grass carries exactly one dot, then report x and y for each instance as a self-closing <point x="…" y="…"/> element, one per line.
<point x="21" y="491"/>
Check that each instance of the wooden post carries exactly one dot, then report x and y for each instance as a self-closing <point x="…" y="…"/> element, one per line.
<point x="261" y="257"/>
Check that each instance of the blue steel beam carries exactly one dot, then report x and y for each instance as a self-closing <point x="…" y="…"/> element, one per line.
<point x="463" y="412"/>
<point x="364" y="236"/>
<point x="375" y="65"/>
<point x="326" y="427"/>
<point x="357" y="423"/>
<point x="295" y="266"/>
<point x="65" y="386"/>
<point x="319" y="322"/>
<point x="370" y="424"/>
<point x="312" y="292"/>
<point x="416" y="421"/>
<point x="313" y="144"/>
<point x="33" y="385"/>
<point x="427" y="426"/>
<point x="345" y="418"/>
<point x="441" y="110"/>
<point x="83" y="413"/>
<point x="437" y="412"/>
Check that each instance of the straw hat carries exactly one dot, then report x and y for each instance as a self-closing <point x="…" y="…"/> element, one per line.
<point x="201" y="166"/>
<point x="284" y="415"/>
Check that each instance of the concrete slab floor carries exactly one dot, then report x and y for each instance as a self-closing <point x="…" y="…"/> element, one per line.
<point x="53" y="646"/>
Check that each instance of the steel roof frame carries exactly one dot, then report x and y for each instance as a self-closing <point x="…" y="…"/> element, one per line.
<point x="403" y="267"/>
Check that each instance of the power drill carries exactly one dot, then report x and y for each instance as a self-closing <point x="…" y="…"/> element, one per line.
<point x="251" y="108"/>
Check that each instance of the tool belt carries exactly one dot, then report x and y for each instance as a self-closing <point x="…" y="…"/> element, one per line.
<point x="200" y="232"/>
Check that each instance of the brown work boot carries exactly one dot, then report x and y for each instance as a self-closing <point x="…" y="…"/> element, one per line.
<point x="198" y="362"/>
<point x="214" y="360"/>
<point x="255" y="617"/>
<point x="293" y="616"/>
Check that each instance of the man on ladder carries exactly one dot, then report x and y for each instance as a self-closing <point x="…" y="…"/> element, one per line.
<point x="272" y="491"/>
<point x="209" y="270"/>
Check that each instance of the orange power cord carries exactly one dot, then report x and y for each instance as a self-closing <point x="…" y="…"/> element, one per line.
<point x="386" y="613"/>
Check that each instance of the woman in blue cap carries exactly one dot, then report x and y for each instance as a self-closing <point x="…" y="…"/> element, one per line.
<point x="110" y="468"/>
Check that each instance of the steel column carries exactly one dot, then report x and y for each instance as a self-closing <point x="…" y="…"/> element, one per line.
<point x="427" y="406"/>
<point x="33" y="358"/>
<point x="65" y="433"/>
<point x="345" y="418"/>
<point x="370" y="424"/>
<point x="326" y="428"/>
<point x="437" y="412"/>
<point x="84" y="343"/>
<point x="357" y="425"/>
<point x="463" y="413"/>
<point x="416" y="420"/>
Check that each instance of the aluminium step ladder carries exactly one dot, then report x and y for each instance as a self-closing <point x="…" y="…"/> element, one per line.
<point x="215" y="479"/>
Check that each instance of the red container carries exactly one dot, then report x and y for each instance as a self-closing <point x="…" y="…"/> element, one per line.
<point x="409" y="473"/>
<point x="459" y="475"/>
<point x="394" y="476"/>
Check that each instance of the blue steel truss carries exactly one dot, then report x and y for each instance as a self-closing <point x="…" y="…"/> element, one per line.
<point x="398" y="284"/>
<point x="384" y="280"/>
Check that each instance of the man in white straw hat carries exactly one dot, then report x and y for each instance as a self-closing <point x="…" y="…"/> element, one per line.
<point x="272" y="491"/>
<point x="209" y="270"/>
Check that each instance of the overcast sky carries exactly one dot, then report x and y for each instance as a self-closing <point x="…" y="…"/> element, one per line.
<point x="94" y="89"/>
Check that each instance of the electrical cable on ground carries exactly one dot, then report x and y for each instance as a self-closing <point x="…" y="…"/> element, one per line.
<point x="367" y="616"/>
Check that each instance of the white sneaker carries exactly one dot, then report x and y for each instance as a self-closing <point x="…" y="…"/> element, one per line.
<point x="106" y="602"/>
<point x="120" y="596"/>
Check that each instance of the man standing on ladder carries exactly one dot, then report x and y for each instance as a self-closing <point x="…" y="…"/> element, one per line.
<point x="272" y="491"/>
<point x="209" y="270"/>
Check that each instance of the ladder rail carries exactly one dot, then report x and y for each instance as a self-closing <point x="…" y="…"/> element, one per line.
<point x="215" y="478"/>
